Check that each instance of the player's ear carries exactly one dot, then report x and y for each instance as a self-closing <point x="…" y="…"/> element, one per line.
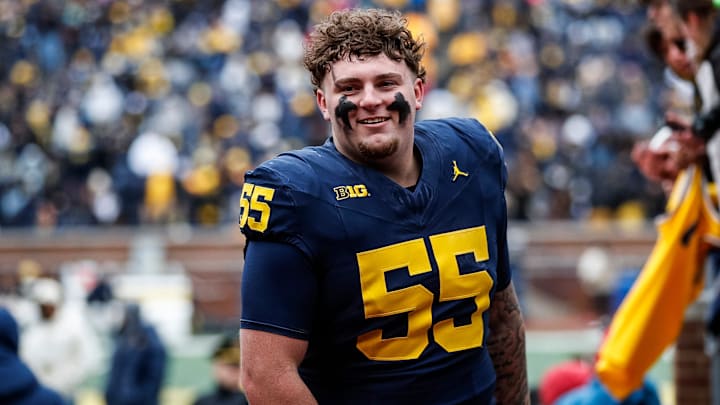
<point x="322" y="104"/>
<point x="419" y="89"/>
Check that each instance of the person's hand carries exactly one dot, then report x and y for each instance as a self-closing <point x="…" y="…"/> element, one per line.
<point x="672" y="149"/>
<point x="690" y="148"/>
<point x="654" y="163"/>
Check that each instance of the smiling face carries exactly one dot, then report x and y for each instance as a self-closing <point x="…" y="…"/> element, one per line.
<point x="371" y="102"/>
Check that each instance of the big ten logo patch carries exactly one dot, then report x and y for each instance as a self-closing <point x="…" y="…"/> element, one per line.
<point x="356" y="191"/>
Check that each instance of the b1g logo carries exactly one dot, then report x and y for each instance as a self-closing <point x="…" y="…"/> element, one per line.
<point x="345" y="192"/>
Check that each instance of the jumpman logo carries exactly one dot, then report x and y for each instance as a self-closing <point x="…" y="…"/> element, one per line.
<point x="457" y="172"/>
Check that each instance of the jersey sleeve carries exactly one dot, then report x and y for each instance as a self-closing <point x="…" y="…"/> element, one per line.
<point x="269" y="210"/>
<point x="276" y="212"/>
<point x="278" y="291"/>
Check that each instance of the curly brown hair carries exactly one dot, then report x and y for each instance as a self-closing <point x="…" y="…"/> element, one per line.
<point x="359" y="32"/>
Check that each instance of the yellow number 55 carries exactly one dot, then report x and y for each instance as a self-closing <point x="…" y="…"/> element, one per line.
<point x="254" y="198"/>
<point x="417" y="300"/>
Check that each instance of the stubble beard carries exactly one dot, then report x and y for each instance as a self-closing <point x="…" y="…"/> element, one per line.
<point x="371" y="152"/>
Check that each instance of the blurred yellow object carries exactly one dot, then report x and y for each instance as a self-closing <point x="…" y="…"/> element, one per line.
<point x="600" y="217"/>
<point x="444" y="13"/>
<point x="220" y="39"/>
<point x="461" y="84"/>
<point x="467" y="48"/>
<point x="159" y="193"/>
<point x="421" y="27"/>
<point x="153" y="78"/>
<point x="225" y="126"/>
<point x="504" y="15"/>
<point x="319" y="9"/>
<point x="208" y="214"/>
<point x="137" y="44"/>
<point x="543" y="146"/>
<point x="82" y="141"/>
<point x="162" y="21"/>
<point x="261" y="63"/>
<point x="302" y="103"/>
<point x="495" y="106"/>
<point x="37" y="117"/>
<point x="236" y="162"/>
<point x="119" y="12"/>
<point x="651" y="315"/>
<point x="202" y="181"/>
<point x="29" y="269"/>
<point x="23" y="73"/>
<point x="631" y="215"/>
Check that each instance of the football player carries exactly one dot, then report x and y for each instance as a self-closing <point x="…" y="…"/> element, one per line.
<point x="376" y="267"/>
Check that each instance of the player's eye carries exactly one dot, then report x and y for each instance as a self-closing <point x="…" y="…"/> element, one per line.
<point x="347" y="89"/>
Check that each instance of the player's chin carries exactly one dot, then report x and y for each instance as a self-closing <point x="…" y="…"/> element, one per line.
<point x="375" y="149"/>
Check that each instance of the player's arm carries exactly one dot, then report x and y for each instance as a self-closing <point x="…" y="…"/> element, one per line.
<point x="506" y="345"/>
<point x="278" y="295"/>
<point x="269" y="368"/>
<point x="506" y="341"/>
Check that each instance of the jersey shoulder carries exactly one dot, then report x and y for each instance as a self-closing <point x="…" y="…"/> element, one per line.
<point x="454" y="135"/>
<point x="280" y="196"/>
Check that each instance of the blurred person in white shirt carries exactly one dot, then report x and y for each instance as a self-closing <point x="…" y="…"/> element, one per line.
<point x="61" y="348"/>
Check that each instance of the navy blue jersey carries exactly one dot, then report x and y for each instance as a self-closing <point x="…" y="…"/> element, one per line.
<point x="401" y="279"/>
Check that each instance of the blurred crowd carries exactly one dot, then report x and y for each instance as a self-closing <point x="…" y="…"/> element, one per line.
<point x="149" y="112"/>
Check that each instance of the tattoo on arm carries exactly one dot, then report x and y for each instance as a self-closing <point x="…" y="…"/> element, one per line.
<point x="506" y="345"/>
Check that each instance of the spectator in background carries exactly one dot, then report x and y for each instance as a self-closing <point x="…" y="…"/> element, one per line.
<point x="669" y="44"/>
<point x="664" y="156"/>
<point x="18" y="385"/>
<point x="562" y="378"/>
<point x="226" y="375"/>
<point x="137" y="368"/>
<point x="691" y="140"/>
<point x="103" y="309"/>
<point x="61" y="348"/>
<point x="702" y="28"/>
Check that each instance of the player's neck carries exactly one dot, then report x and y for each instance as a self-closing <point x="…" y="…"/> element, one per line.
<point x="404" y="170"/>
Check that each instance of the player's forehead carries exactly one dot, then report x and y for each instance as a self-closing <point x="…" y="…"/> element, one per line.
<point x="366" y="68"/>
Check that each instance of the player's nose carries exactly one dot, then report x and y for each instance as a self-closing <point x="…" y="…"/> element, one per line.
<point x="370" y="97"/>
